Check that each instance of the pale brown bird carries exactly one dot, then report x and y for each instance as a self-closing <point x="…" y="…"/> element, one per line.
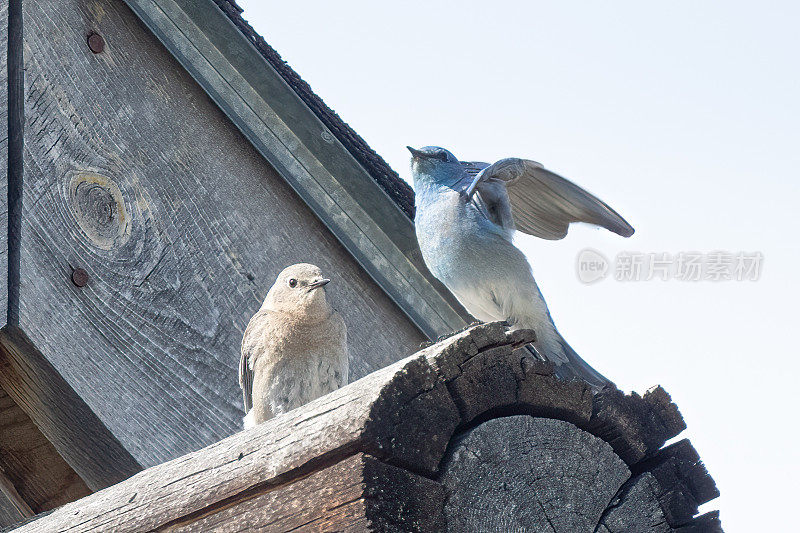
<point x="294" y="349"/>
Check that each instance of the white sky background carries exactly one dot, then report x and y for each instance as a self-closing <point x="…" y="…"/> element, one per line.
<point x="683" y="117"/>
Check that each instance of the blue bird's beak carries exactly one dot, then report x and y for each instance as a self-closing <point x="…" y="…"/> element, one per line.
<point x="415" y="152"/>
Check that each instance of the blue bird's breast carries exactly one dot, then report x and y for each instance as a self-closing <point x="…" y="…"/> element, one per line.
<point x="453" y="235"/>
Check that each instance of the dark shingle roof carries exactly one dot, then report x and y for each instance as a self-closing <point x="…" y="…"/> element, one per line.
<point x="378" y="169"/>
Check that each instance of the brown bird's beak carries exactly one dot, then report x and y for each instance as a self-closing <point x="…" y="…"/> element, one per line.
<point x="318" y="284"/>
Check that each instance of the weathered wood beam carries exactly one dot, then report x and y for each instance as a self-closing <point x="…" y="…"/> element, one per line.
<point x="521" y="473"/>
<point x="9" y="490"/>
<point x="4" y="104"/>
<point x="405" y="415"/>
<point x="402" y="415"/>
<point x="9" y="514"/>
<point x="16" y="128"/>
<point x="31" y="465"/>
<point x="73" y="429"/>
<point x="524" y="473"/>
<point x="359" y="493"/>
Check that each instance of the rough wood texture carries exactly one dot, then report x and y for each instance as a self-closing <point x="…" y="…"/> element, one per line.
<point x="401" y="414"/>
<point x="3" y="162"/>
<point x="15" y="507"/>
<point x="521" y="473"/>
<point x="359" y="493"/>
<point x="635" y="426"/>
<point x="636" y="509"/>
<point x="683" y="481"/>
<point x="291" y="135"/>
<point x="645" y="505"/>
<point x="504" y="378"/>
<point x="134" y="175"/>
<point x="406" y="415"/>
<point x="61" y="416"/>
<point x="9" y="514"/>
<point x="40" y="476"/>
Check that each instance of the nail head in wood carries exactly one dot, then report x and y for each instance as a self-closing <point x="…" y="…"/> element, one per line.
<point x="80" y="277"/>
<point x="96" y="43"/>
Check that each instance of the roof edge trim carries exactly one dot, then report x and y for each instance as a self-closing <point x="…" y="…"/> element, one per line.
<point x="303" y="152"/>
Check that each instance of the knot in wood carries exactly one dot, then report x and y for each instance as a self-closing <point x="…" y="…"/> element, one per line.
<point x="98" y="207"/>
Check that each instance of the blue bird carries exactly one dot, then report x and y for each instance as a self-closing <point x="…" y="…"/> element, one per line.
<point x="466" y="215"/>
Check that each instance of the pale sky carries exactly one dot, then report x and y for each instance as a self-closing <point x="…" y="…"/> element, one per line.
<point x="682" y="116"/>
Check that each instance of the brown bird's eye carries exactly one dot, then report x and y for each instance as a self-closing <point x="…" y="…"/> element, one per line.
<point x="292" y="282"/>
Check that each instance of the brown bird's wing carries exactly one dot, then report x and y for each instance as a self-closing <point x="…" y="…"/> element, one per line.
<point x="543" y="203"/>
<point x="250" y="347"/>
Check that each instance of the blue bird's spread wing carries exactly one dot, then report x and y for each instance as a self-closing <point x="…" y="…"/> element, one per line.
<point x="542" y="203"/>
<point x="490" y="196"/>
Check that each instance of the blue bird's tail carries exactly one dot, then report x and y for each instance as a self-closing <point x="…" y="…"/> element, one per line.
<point x="574" y="368"/>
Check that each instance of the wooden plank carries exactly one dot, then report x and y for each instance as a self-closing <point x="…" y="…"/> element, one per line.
<point x="521" y="473"/>
<point x="135" y="176"/>
<point x="15" y="69"/>
<point x="9" y="491"/>
<point x="4" y="161"/>
<point x="645" y="505"/>
<point x="358" y="493"/>
<point x="9" y="514"/>
<point x="61" y="416"/>
<point x="304" y="152"/>
<point x="664" y="495"/>
<point x="42" y="478"/>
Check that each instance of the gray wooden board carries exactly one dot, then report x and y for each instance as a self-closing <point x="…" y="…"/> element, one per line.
<point x="3" y="160"/>
<point x="359" y="493"/>
<point x="29" y="460"/>
<point x="521" y="473"/>
<point x="8" y="513"/>
<point x="78" y="436"/>
<point x="134" y="175"/>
